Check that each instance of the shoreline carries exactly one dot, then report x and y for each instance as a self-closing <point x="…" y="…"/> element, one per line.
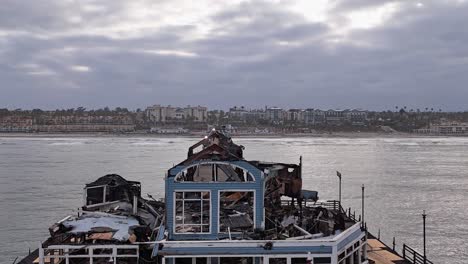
<point x="198" y="135"/>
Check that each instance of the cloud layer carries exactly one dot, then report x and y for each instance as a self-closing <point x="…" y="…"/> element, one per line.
<point x="298" y="53"/>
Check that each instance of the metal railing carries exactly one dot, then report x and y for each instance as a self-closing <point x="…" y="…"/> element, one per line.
<point x="413" y="256"/>
<point x="56" y="253"/>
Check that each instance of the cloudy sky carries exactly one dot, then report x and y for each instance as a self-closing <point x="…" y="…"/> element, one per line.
<point x="372" y="54"/>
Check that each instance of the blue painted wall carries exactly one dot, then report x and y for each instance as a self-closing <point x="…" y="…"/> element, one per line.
<point x="171" y="186"/>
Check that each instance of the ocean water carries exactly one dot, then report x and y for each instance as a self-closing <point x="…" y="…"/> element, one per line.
<point x="42" y="178"/>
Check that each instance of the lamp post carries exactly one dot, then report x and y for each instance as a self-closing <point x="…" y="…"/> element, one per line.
<point x="362" y="206"/>
<point x="424" y="235"/>
<point x="339" y="192"/>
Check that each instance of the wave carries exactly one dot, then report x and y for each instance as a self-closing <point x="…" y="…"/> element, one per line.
<point x="66" y="143"/>
<point x="149" y="143"/>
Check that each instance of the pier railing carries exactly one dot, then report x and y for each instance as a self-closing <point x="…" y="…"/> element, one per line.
<point x="413" y="256"/>
<point x="56" y="253"/>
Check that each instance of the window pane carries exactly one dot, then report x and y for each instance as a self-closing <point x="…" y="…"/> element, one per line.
<point x="94" y="195"/>
<point x="201" y="261"/>
<point x="206" y="213"/>
<point x="278" y="261"/>
<point x="299" y="261"/>
<point x="239" y="260"/>
<point x="191" y="211"/>
<point x="192" y="195"/>
<point x="323" y="261"/>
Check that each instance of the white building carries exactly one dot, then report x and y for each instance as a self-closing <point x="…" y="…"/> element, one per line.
<point x="445" y="129"/>
<point x="162" y="114"/>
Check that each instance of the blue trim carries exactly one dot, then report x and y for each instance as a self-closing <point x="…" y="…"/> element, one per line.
<point x="350" y="238"/>
<point x="214" y="251"/>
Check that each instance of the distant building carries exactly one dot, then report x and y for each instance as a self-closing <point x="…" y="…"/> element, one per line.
<point x="295" y="115"/>
<point x="16" y="123"/>
<point x="445" y="129"/>
<point x="314" y="117"/>
<point x="163" y="114"/>
<point x="275" y="114"/>
<point x="258" y="114"/>
<point x="356" y="117"/>
<point x="353" y="117"/>
<point x="238" y="112"/>
<point x="335" y="117"/>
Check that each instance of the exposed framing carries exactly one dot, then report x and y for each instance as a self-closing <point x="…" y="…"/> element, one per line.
<point x="248" y="173"/>
<point x="253" y="212"/>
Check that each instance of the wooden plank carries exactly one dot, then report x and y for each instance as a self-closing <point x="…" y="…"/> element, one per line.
<point x="381" y="254"/>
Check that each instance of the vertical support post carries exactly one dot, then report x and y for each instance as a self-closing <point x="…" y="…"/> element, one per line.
<point x="404" y="251"/>
<point x="339" y="192"/>
<point x="378" y="235"/>
<point x="135" y="204"/>
<point x="394" y="244"/>
<point x="67" y="260"/>
<point x="114" y="254"/>
<point x="334" y="258"/>
<point x="104" y="193"/>
<point x="41" y="254"/>
<point x="424" y="235"/>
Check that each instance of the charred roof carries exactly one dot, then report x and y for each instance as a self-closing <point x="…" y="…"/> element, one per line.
<point x="111" y="180"/>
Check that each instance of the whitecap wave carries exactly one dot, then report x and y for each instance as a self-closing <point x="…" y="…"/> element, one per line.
<point x="66" y="143"/>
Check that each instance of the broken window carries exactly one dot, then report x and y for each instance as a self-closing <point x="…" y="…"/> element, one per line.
<point x="190" y="261"/>
<point x="323" y="260"/>
<point x="299" y="261"/>
<point x="236" y="211"/>
<point x="95" y="195"/>
<point x="278" y="261"/>
<point x="192" y="212"/>
<point x="236" y="260"/>
<point x="214" y="172"/>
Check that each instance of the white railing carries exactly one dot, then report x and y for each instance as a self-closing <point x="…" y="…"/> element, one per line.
<point x="55" y="253"/>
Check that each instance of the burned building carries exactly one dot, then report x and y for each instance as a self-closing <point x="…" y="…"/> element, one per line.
<point x="218" y="208"/>
<point x="222" y="208"/>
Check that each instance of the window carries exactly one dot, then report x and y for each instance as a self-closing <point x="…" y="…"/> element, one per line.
<point x="323" y="260"/>
<point x="236" y="260"/>
<point x="236" y="211"/>
<point x="277" y="261"/>
<point x="190" y="261"/>
<point x="95" y="195"/>
<point x="299" y="261"/>
<point x="192" y="212"/>
<point x="214" y="172"/>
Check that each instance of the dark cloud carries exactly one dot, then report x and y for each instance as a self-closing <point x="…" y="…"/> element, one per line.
<point x="57" y="54"/>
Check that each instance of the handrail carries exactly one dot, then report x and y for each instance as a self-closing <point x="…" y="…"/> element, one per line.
<point x="413" y="256"/>
<point x="53" y="253"/>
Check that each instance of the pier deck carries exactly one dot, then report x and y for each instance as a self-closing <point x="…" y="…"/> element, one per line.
<point x="381" y="254"/>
